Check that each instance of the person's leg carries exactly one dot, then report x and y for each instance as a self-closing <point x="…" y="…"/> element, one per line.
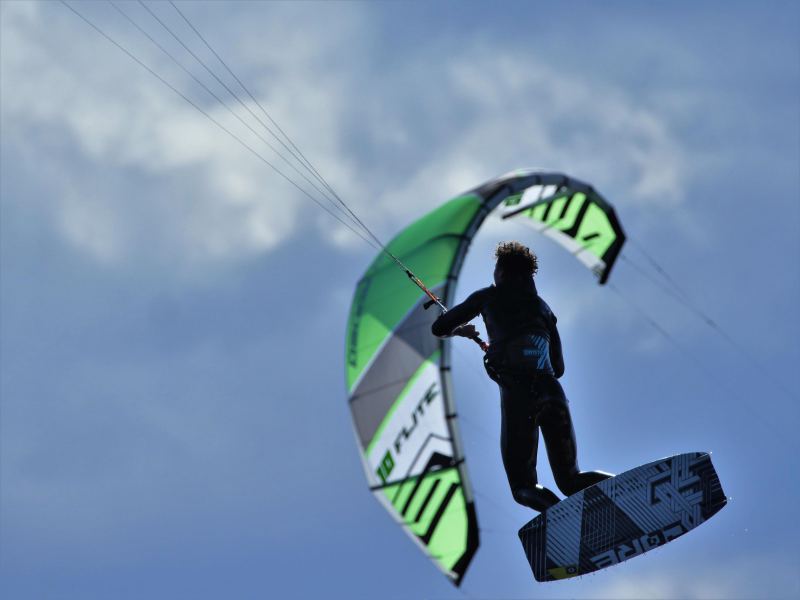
<point x="519" y="437"/>
<point x="559" y="435"/>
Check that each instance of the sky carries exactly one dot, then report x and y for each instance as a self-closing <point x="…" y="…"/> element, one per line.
<point x="173" y="418"/>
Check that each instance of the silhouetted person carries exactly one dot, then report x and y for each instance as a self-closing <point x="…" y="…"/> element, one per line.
<point x="525" y="360"/>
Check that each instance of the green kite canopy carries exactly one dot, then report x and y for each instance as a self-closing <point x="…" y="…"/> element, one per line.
<point x="398" y="373"/>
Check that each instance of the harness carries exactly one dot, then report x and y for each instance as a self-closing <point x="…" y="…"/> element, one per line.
<point x="519" y="359"/>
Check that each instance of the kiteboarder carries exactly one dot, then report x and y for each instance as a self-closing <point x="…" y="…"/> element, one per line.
<point x="525" y="359"/>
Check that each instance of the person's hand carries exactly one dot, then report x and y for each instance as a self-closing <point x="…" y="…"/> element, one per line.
<point x="467" y="331"/>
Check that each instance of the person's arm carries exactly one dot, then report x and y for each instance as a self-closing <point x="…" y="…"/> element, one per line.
<point x="556" y="356"/>
<point x="449" y="323"/>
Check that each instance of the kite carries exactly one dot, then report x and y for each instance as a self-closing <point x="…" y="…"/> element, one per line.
<point x="398" y="375"/>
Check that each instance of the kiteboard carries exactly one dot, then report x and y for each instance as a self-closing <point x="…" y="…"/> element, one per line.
<point x="622" y="517"/>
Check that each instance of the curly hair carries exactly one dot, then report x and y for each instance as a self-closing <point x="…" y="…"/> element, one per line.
<point x="516" y="259"/>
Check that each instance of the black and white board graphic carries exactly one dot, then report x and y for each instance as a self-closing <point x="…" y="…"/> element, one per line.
<point x="623" y="517"/>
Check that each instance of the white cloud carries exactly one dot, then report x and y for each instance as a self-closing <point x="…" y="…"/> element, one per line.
<point x="90" y="223"/>
<point x="524" y="113"/>
<point x="140" y="162"/>
<point x="209" y="200"/>
<point x="743" y="577"/>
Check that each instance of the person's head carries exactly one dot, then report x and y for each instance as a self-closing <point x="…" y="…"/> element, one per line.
<point x="514" y="262"/>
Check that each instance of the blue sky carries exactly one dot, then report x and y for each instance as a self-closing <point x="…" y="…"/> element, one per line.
<point x="174" y="420"/>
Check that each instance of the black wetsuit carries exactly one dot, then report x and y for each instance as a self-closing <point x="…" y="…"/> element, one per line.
<point x="525" y="359"/>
